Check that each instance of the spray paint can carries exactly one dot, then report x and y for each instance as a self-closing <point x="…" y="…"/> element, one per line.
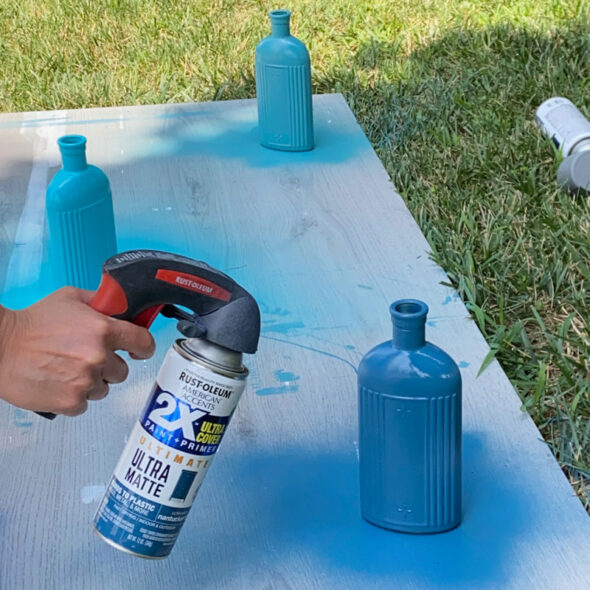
<point x="566" y="126"/>
<point x="171" y="448"/>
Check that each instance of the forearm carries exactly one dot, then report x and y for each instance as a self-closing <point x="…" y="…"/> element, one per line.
<point x="3" y="314"/>
<point x="6" y="322"/>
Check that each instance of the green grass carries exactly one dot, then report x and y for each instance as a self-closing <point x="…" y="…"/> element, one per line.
<point x="446" y="92"/>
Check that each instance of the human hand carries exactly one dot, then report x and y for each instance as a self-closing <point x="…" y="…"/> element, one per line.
<point x="59" y="353"/>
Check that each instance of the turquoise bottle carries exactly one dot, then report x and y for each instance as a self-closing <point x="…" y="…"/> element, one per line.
<point x="410" y="429"/>
<point x="80" y="218"/>
<point x="283" y="88"/>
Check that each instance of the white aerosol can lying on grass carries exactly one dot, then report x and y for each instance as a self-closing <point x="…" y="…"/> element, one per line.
<point x="566" y="126"/>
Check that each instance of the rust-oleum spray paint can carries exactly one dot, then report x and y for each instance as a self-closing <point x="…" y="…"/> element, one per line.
<point x="182" y="424"/>
<point x="171" y="448"/>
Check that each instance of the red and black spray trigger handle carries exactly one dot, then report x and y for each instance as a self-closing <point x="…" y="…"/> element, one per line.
<point x="139" y="284"/>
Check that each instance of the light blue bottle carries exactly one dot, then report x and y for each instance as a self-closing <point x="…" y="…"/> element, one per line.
<point x="80" y="218"/>
<point x="410" y="429"/>
<point x="283" y="88"/>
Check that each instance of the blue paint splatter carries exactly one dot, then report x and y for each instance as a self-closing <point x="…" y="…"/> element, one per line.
<point x="277" y="390"/>
<point x="274" y="311"/>
<point x="447" y="300"/>
<point x="366" y="287"/>
<point x="350" y="347"/>
<point x="463" y="364"/>
<point x="285" y="376"/>
<point x="431" y="323"/>
<point x="277" y="311"/>
<point x="284" y="328"/>
<point x="286" y="379"/>
<point x="22" y="418"/>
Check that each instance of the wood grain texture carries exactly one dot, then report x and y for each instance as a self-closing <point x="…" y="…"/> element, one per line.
<point x="325" y="244"/>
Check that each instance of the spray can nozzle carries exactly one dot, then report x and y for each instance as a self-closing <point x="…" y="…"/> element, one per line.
<point x="189" y="324"/>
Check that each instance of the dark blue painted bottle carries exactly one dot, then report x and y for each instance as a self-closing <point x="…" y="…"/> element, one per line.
<point x="410" y="429"/>
<point x="283" y="88"/>
<point x="80" y="218"/>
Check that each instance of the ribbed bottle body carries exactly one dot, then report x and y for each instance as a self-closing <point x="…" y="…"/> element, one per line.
<point x="80" y="218"/>
<point x="410" y="460"/>
<point x="284" y="106"/>
<point x="81" y="239"/>
<point x="410" y="429"/>
<point x="283" y="89"/>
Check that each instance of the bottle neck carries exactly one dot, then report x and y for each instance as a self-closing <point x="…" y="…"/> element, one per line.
<point x="73" y="152"/>
<point x="279" y="23"/>
<point x="408" y="339"/>
<point x="409" y="323"/>
<point x="74" y="163"/>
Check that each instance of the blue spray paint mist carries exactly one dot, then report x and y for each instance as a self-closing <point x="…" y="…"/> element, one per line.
<point x="310" y="508"/>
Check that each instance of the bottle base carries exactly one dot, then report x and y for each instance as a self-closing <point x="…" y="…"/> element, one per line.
<point x="411" y="529"/>
<point x="286" y="148"/>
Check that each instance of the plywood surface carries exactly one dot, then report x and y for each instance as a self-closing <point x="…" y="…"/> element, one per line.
<point x="325" y="244"/>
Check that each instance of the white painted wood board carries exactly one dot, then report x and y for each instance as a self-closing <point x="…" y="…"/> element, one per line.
<point x="325" y="244"/>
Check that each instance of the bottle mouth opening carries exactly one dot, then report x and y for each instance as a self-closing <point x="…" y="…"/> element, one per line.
<point x="280" y="15"/>
<point x="406" y="313"/>
<point x="407" y="308"/>
<point x="72" y="142"/>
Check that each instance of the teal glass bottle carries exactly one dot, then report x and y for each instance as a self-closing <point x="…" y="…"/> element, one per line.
<point x="283" y="88"/>
<point x="410" y="429"/>
<point x="80" y="218"/>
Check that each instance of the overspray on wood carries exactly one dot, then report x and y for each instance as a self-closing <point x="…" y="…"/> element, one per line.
<point x="410" y="429"/>
<point x="186" y="415"/>
<point x="80" y="217"/>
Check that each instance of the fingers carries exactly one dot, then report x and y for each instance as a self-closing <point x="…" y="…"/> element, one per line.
<point x="134" y="339"/>
<point x="99" y="391"/>
<point x="115" y="369"/>
<point x="76" y="410"/>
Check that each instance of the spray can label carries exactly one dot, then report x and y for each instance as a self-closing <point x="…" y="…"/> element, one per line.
<point x="167" y="456"/>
